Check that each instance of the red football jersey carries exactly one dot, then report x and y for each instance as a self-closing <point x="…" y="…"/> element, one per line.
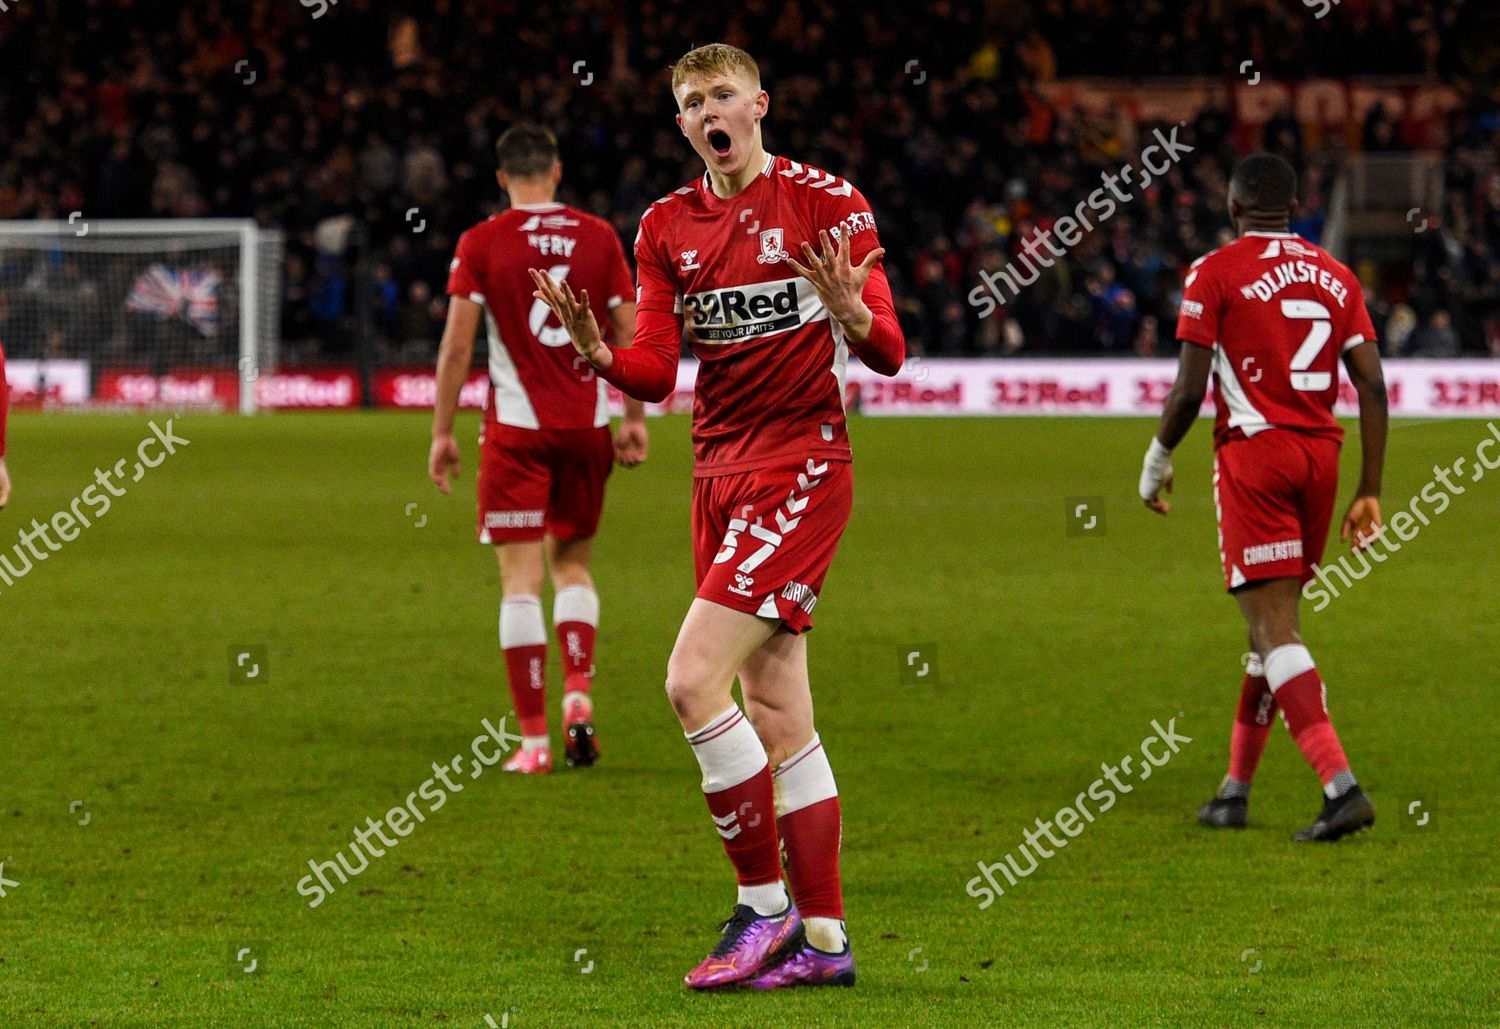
<point x="771" y="362"/>
<point x="1278" y="312"/>
<point x="539" y="380"/>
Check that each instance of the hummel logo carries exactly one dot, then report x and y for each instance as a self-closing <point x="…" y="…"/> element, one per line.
<point x="690" y="260"/>
<point x="720" y="823"/>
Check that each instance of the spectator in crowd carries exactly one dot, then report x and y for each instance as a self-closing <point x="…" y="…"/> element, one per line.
<point x="358" y="117"/>
<point x="1438" y="339"/>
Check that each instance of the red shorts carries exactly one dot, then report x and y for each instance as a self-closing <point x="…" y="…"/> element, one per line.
<point x="542" y="482"/>
<point x="763" y="540"/>
<point x="1274" y="494"/>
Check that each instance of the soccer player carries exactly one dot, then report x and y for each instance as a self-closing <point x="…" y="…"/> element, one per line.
<point x="1270" y="315"/>
<point x="773" y="267"/>
<point x="4" y="409"/>
<point x="545" y="449"/>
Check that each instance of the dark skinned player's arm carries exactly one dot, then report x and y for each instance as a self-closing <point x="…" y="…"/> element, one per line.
<point x="1177" y="417"/>
<point x="1363" y="365"/>
<point x="1186" y="398"/>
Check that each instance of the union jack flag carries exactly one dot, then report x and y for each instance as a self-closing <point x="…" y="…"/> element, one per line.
<point x="191" y="294"/>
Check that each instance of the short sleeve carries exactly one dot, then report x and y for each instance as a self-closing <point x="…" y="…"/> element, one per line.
<point x="465" y="272"/>
<point x="1358" y="328"/>
<point x="1198" y="318"/>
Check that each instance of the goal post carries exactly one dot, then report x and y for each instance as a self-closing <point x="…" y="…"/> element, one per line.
<point x="170" y="312"/>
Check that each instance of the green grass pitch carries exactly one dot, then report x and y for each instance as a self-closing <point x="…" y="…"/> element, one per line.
<point x="582" y="899"/>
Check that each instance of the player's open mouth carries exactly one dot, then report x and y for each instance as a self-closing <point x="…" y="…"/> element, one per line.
<point x="719" y="142"/>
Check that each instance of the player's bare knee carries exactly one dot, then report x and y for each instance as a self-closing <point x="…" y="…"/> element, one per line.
<point x="564" y="576"/>
<point x="1274" y="631"/>
<point x="782" y="732"/>
<point x="520" y="586"/>
<point x="693" y="693"/>
<point x="520" y="569"/>
<point x="569" y="562"/>
<point x="1278" y="636"/>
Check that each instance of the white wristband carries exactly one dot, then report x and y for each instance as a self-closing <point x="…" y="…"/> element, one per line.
<point x="1158" y="456"/>
<point x="1155" y="469"/>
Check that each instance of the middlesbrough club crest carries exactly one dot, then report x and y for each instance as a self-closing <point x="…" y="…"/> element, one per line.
<point x="771" y="250"/>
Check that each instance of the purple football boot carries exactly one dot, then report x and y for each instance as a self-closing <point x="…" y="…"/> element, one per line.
<point x="806" y="965"/>
<point x="749" y="943"/>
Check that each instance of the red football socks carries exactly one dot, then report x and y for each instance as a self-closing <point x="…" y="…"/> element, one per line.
<point x="1252" y="724"/>
<point x="1300" y="692"/>
<point x="575" y="611"/>
<point x="807" y="806"/>
<point x="741" y="798"/>
<point x="523" y="639"/>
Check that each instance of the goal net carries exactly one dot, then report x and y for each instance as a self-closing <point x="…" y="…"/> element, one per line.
<point x="140" y="313"/>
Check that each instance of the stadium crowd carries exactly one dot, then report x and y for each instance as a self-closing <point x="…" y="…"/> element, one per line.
<point x="349" y="124"/>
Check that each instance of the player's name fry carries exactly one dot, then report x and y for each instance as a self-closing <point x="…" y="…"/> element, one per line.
<point x="401" y="818"/>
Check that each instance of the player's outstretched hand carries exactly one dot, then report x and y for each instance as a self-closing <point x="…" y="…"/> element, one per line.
<point x="575" y="314"/>
<point x="442" y="462"/>
<point x="631" y="442"/>
<point x="840" y="284"/>
<point x="1362" y="523"/>
<point x="4" y="480"/>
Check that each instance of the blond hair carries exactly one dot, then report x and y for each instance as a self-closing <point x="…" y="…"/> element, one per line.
<point x="714" y="59"/>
